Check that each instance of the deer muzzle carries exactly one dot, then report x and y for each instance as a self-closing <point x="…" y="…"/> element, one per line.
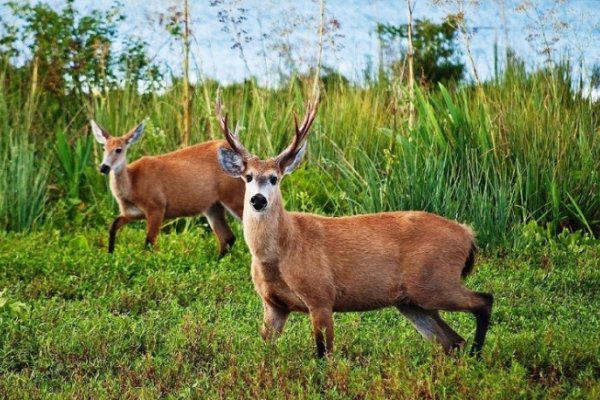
<point x="258" y="201"/>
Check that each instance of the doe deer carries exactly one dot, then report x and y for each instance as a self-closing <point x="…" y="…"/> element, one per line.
<point x="304" y="262"/>
<point x="182" y="183"/>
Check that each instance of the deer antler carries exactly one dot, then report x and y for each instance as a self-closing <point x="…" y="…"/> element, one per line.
<point x="232" y="138"/>
<point x="289" y="153"/>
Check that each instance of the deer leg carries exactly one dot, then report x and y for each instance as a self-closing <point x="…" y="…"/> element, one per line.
<point x="463" y="299"/>
<point x="273" y="321"/>
<point x="322" y="321"/>
<point x="482" y="316"/>
<point x="112" y="233"/>
<point x="431" y="326"/>
<point x="456" y="341"/>
<point x="216" y="219"/>
<point x="153" y="221"/>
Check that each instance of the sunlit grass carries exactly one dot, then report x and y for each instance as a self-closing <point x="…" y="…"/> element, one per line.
<point x="78" y="322"/>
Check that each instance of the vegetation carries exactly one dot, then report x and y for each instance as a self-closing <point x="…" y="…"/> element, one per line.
<point x="518" y="158"/>
<point x="76" y="322"/>
<point x="524" y="150"/>
<point x="436" y="51"/>
<point x="520" y="148"/>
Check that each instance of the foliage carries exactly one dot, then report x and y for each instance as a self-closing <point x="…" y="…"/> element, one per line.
<point x="72" y="160"/>
<point x="494" y="161"/>
<point x="77" y="322"/>
<point x="70" y="51"/>
<point x="436" y="55"/>
<point x="72" y="54"/>
<point x="23" y="179"/>
<point x="521" y="148"/>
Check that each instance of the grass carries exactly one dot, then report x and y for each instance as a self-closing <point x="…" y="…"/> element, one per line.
<point x="523" y="148"/>
<point x="76" y="322"/>
<point x="23" y="184"/>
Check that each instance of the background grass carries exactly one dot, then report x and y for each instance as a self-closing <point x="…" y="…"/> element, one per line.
<point x="76" y="322"/>
<point x="523" y="148"/>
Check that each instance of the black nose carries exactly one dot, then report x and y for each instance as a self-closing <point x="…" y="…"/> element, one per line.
<point x="258" y="201"/>
<point x="104" y="169"/>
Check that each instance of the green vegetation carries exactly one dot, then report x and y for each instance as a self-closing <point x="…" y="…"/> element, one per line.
<point x="524" y="149"/>
<point x="517" y="158"/>
<point x="76" y="322"/>
<point x="436" y="51"/>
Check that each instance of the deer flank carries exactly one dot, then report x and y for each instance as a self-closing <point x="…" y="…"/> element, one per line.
<point x="183" y="183"/>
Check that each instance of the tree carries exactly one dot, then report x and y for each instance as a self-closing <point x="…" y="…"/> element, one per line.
<point x="72" y="53"/>
<point x="436" y="57"/>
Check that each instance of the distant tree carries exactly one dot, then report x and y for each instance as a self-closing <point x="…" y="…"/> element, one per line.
<point x="595" y="77"/>
<point x="436" y="52"/>
<point x="73" y="53"/>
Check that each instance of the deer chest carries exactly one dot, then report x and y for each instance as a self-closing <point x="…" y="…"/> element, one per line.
<point x="273" y="289"/>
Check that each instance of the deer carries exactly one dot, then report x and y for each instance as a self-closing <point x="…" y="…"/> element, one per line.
<point x="302" y="262"/>
<point x="186" y="182"/>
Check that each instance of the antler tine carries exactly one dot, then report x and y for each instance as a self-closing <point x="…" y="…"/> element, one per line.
<point x="311" y="112"/>
<point x="301" y="132"/>
<point x="232" y="138"/>
<point x="306" y="116"/>
<point x="222" y="119"/>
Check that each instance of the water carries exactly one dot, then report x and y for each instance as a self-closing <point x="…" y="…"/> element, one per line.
<point x="270" y="26"/>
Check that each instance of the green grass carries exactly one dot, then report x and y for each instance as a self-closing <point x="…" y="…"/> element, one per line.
<point x="76" y="322"/>
<point x="523" y="148"/>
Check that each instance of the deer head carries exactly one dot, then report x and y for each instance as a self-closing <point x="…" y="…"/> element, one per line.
<point x="115" y="148"/>
<point x="262" y="177"/>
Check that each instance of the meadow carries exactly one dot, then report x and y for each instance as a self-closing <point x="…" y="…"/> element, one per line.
<point x="517" y="158"/>
<point x="77" y="322"/>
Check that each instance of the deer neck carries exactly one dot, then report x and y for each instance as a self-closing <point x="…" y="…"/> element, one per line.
<point x="268" y="234"/>
<point x="120" y="183"/>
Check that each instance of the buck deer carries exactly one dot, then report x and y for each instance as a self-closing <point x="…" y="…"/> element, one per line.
<point x="304" y="262"/>
<point x="182" y="183"/>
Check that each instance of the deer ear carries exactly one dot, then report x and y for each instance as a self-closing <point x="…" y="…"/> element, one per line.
<point x="288" y="169"/>
<point x="135" y="134"/>
<point x="231" y="162"/>
<point x="100" y="134"/>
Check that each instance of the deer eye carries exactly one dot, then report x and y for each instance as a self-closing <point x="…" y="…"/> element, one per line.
<point x="248" y="178"/>
<point x="273" y="180"/>
<point x="118" y="150"/>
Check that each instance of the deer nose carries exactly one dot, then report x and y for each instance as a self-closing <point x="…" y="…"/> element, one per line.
<point x="258" y="201"/>
<point x="104" y="169"/>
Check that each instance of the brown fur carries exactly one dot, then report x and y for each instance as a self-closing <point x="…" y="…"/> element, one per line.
<point x="182" y="183"/>
<point x="304" y="262"/>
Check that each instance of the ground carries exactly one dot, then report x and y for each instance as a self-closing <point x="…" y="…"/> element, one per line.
<point x="177" y="322"/>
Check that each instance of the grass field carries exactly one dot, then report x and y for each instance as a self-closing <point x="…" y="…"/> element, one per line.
<point x="76" y="322"/>
<point x="517" y="158"/>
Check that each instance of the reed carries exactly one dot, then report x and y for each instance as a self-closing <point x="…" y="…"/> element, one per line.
<point x="525" y="150"/>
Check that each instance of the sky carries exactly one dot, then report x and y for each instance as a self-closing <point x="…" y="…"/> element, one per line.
<point x="271" y="25"/>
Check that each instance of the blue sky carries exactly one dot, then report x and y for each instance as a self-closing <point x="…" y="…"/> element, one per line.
<point x="356" y="44"/>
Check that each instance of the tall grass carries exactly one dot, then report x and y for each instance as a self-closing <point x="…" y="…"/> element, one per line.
<point x="24" y="169"/>
<point x="523" y="148"/>
<point x="72" y="159"/>
<point x="526" y="150"/>
<point x="23" y="184"/>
